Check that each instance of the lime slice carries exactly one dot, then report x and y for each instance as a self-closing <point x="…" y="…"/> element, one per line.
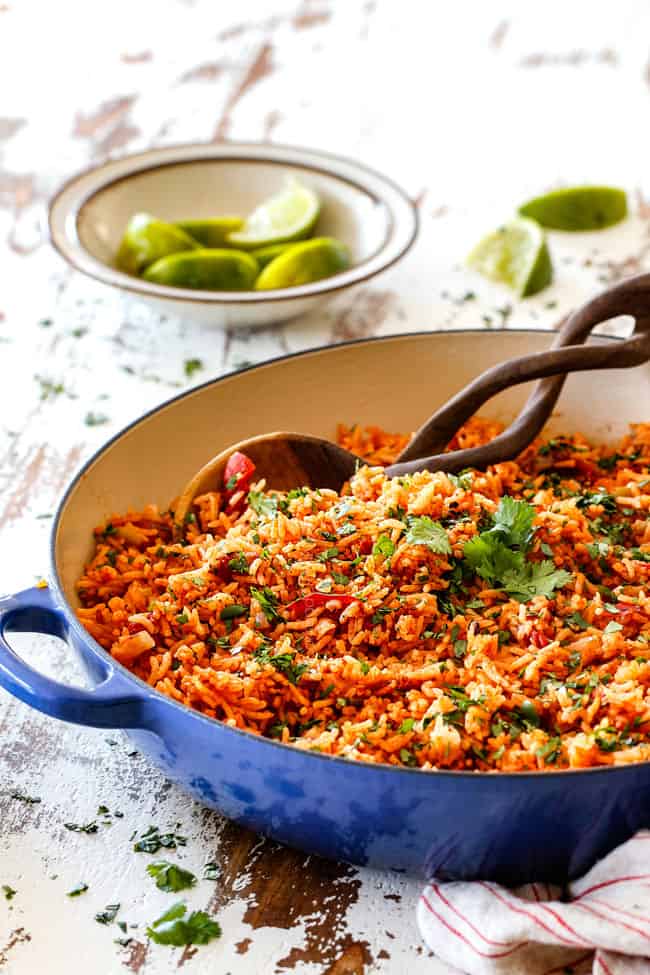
<point x="304" y="263"/>
<point x="147" y="239"/>
<point x="578" y="208"/>
<point x="516" y="254"/>
<point x="205" y="269"/>
<point x="264" y="255"/>
<point x="211" y="232"/>
<point x="289" y="215"/>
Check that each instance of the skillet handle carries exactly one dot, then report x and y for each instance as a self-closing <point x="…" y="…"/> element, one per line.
<point x="104" y="706"/>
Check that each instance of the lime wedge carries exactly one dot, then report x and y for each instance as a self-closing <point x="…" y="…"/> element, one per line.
<point x="147" y="239"/>
<point x="304" y="263"/>
<point x="205" y="269"/>
<point x="264" y="255"/>
<point x="289" y="215"/>
<point x="516" y="254"/>
<point x="578" y="208"/>
<point x="211" y="232"/>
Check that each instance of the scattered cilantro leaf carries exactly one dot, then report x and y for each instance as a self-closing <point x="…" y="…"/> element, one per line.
<point x="211" y="871"/>
<point x="78" y="890"/>
<point x="108" y="915"/>
<point x="175" y="928"/>
<point x="96" y="419"/>
<point x="152" y="840"/>
<point x="190" y="366"/>
<point x="170" y="877"/>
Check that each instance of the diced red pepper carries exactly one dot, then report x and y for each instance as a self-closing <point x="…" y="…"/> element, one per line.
<point x="538" y="639"/>
<point x="304" y="606"/>
<point x="222" y="568"/>
<point x="238" y="474"/>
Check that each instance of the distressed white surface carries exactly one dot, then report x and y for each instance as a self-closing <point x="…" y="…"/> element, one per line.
<point x="472" y="107"/>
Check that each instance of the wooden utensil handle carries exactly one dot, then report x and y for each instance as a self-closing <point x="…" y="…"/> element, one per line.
<point x="630" y="297"/>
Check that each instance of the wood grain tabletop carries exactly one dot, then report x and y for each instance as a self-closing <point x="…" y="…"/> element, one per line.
<point x="472" y="108"/>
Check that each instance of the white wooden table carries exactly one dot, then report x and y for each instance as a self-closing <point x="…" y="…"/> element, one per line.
<point x="472" y="107"/>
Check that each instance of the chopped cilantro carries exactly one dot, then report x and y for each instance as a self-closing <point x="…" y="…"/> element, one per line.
<point x="170" y="877"/>
<point x="78" y="890"/>
<point x="108" y="915"/>
<point x="211" y="871"/>
<point x="152" y="840"/>
<point x="9" y="892"/>
<point x="264" y="505"/>
<point x="383" y="547"/>
<point x="30" y="800"/>
<point x="551" y="751"/>
<point x="407" y="757"/>
<point x="329" y="553"/>
<point x="175" y="928"/>
<point x="268" y="602"/>
<point x="238" y="563"/>
<point x="406" y="726"/>
<point x="96" y="419"/>
<point x="283" y="662"/>
<point x="190" y="366"/>
<point x="87" y="828"/>
<point x="577" y="620"/>
<point x="232" y="611"/>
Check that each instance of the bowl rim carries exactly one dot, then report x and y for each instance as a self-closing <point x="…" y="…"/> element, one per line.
<point x="66" y="206"/>
<point x="348" y="764"/>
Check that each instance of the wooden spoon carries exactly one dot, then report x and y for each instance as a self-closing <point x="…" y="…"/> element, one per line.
<point x="290" y="460"/>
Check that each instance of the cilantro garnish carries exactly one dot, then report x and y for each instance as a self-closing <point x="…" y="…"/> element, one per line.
<point x="238" y="563"/>
<point x="383" y="547"/>
<point x="170" y="877"/>
<point x="499" y="555"/>
<point x="233" y="611"/>
<point x="175" y="928"/>
<point x="264" y="505"/>
<point x="551" y="751"/>
<point x="513" y="522"/>
<point x="421" y="530"/>
<point x="9" y="892"/>
<point x="283" y="662"/>
<point x="268" y="602"/>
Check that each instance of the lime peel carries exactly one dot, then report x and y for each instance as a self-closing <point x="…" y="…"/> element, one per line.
<point x="304" y="263"/>
<point x="578" y="208"/>
<point x="207" y="269"/>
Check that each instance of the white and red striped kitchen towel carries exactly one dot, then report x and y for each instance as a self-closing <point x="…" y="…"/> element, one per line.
<point x="603" y="927"/>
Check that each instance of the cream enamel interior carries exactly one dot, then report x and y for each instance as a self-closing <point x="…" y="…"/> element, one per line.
<point x="395" y="382"/>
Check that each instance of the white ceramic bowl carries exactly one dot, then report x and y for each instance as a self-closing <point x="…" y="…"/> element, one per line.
<point x="364" y="209"/>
